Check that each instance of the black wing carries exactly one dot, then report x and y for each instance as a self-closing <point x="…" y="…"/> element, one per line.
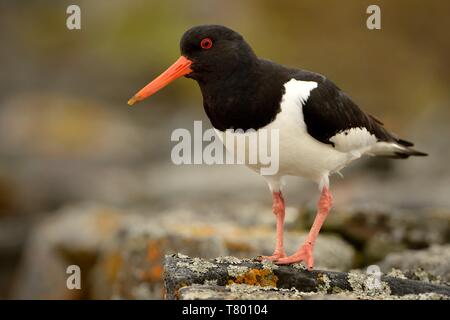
<point x="329" y="111"/>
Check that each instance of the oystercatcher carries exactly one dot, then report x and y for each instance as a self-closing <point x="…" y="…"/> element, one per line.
<point x="321" y="130"/>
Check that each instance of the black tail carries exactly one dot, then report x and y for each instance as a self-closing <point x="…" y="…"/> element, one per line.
<point x="407" y="153"/>
<point x="405" y="150"/>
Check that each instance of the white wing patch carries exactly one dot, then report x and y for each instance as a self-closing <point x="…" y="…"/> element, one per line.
<point x="296" y="93"/>
<point x="353" y="139"/>
<point x="298" y="89"/>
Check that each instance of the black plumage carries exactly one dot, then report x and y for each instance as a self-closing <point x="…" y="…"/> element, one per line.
<point x="329" y="111"/>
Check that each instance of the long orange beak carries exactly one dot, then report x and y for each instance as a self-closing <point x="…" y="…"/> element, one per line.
<point x="180" y="68"/>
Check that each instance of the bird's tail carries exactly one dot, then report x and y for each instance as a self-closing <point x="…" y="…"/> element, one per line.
<point x="399" y="149"/>
<point x="390" y="145"/>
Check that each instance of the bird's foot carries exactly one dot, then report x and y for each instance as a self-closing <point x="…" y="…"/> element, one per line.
<point x="305" y="254"/>
<point x="276" y="255"/>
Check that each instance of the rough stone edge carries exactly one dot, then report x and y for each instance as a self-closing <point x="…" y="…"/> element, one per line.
<point x="177" y="276"/>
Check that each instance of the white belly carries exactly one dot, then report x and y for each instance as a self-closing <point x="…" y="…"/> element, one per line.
<point x="298" y="153"/>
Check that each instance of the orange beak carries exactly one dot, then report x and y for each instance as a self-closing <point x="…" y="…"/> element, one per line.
<point x="180" y="68"/>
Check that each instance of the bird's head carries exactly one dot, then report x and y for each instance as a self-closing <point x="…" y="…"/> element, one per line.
<point x="208" y="53"/>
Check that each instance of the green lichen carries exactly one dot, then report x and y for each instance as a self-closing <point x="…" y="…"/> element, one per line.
<point x="245" y="291"/>
<point x="197" y="265"/>
<point x="228" y="259"/>
<point x="237" y="271"/>
<point x="198" y="292"/>
<point x="299" y="266"/>
<point x="368" y="286"/>
<point x="397" y="273"/>
<point x="210" y="282"/>
<point x="324" y="285"/>
<point x="421" y="275"/>
<point x="181" y="256"/>
<point x="269" y="265"/>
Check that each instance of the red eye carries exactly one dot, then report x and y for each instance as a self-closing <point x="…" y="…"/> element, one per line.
<point x="206" y="43"/>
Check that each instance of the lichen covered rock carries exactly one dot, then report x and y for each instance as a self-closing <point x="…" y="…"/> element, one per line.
<point x="72" y="236"/>
<point x="142" y="247"/>
<point x="252" y="279"/>
<point x="380" y="230"/>
<point x="431" y="265"/>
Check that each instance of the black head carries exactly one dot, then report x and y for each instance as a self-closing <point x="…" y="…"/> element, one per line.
<point x="215" y="51"/>
<point x="209" y="53"/>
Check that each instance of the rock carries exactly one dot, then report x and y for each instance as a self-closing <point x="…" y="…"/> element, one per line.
<point x="194" y="278"/>
<point x="430" y="264"/>
<point x="379" y="230"/>
<point x="122" y="255"/>
<point x="71" y="236"/>
<point x="131" y="266"/>
<point x="141" y="247"/>
<point x="247" y="292"/>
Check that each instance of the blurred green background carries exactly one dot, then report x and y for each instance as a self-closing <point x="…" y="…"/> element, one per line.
<point x="68" y="136"/>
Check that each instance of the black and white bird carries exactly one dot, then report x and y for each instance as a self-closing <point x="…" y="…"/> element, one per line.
<point x="321" y="130"/>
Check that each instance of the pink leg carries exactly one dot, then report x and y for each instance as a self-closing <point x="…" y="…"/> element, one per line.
<point x="305" y="252"/>
<point x="278" y="208"/>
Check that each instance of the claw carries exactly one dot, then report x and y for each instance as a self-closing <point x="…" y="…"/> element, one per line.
<point x="273" y="257"/>
<point x="305" y="254"/>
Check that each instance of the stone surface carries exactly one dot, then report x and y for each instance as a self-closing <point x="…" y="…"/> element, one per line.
<point x="121" y="252"/>
<point x="247" y="292"/>
<point x="432" y="264"/>
<point x="379" y="230"/>
<point x="73" y="235"/>
<point x="219" y="279"/>
<point x="138" y="250"/>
